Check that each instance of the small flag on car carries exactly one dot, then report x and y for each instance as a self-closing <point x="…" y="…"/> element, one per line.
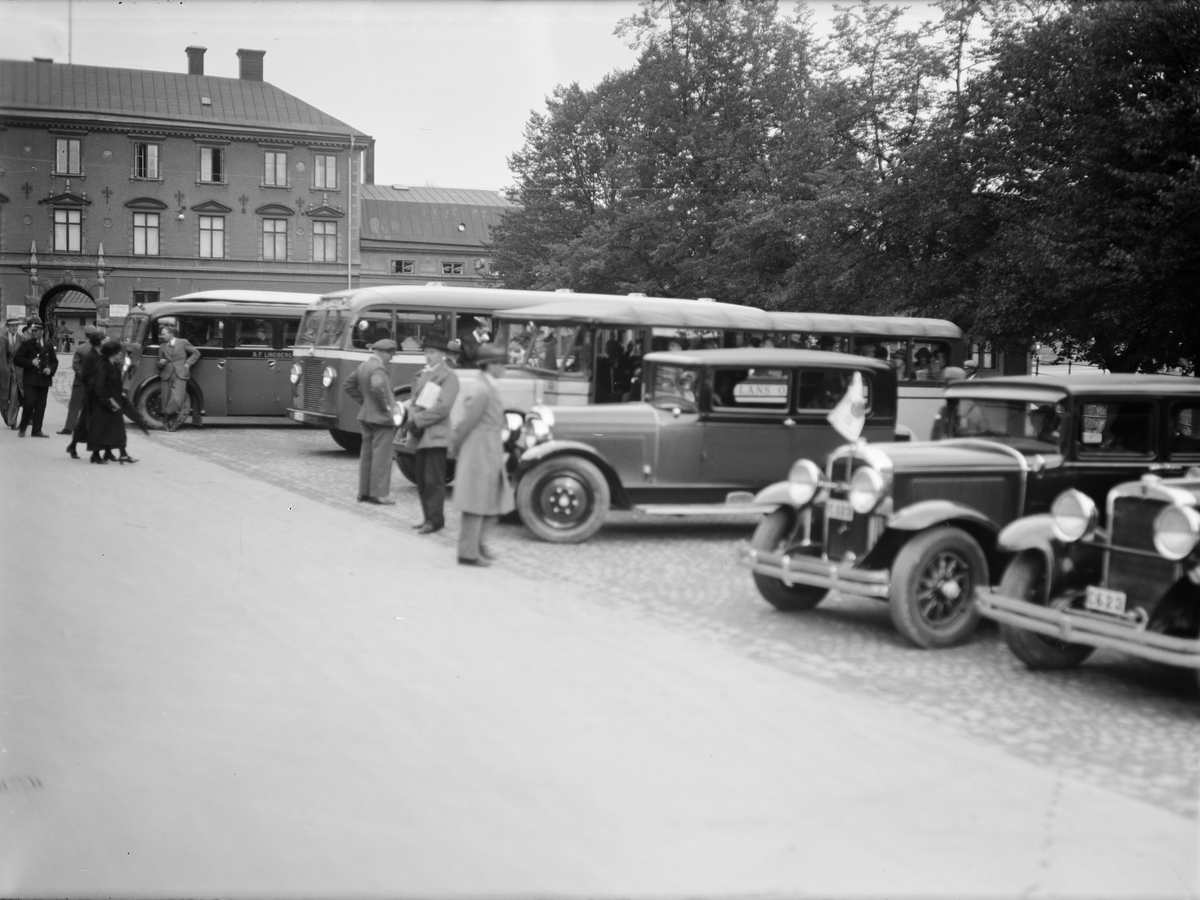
<point x="849" y="416"/>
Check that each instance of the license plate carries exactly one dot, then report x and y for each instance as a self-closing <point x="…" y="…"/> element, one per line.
<point x="840" y="510"/>
<point x="1105" y="601"/>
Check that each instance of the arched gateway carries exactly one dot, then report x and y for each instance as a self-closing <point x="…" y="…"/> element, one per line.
<point x="66" y="309"/>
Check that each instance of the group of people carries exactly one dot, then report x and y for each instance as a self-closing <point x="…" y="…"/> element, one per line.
<point x="481" y="488"/>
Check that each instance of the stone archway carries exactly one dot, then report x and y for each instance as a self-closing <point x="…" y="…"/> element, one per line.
<point x="66" y="309"/>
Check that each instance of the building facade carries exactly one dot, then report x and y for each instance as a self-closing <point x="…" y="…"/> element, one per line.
<point x="123" y="186"/>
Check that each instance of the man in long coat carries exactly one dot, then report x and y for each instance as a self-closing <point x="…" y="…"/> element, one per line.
<point x="83" y="376"/>
<point x="38" y="360"/>
<point x="10" y="375"/>
<point x="78" y="389"/>
<point x="428" y="431"/>
<point x="481" y="488"/>
<point x="369" y="385"/>
<point x="176" y="356"/>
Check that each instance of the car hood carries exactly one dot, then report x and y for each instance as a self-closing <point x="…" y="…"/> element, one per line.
<point x="590" y="419"/>
<point x="959" y="453"/>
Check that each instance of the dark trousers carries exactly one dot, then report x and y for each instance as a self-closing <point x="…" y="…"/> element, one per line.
<point x="33" y="409"/>
<point x="430" y="470"/>
<point x="375" y="460"/>
<point x="78" y="395"/>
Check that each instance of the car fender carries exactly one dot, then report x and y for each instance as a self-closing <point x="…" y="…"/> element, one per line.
<point x="778" y="494"/>
<point x="550" y="449"/>
<point x="919" y="516"/>
<point x="1071" y="565"/>
<point x="1032" y="534"/>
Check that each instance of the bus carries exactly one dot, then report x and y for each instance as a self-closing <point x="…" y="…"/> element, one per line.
<point x="245" y="341"/>
<point x="337" y="330"/>
<point x="590" y="352"/>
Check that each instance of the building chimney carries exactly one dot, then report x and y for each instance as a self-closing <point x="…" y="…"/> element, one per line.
<point x="369" y="165"/>
<point x="196" y="60"/>
<point x="251" y="68"/>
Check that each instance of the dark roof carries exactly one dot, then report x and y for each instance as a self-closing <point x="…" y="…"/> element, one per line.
<point x="152" y="98"/>
<point x="757" y="357"/>
<point x="1033" y="387"/>
<point x="430" y="215"/>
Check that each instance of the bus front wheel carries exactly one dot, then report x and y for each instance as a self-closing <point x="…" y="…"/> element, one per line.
<point x="347" y="440"/>
<point x="150" y="405"/>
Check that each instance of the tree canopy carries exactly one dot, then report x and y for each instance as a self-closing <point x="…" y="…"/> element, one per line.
<point x="1027" y="169"/>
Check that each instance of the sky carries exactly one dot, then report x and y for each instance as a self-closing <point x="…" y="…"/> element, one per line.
<point x="444" y="87"/>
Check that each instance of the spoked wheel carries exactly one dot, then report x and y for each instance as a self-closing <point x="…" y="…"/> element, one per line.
<point x="563" y="500"/>
<point x="933" y="584"/>
<point x="150" y="405"/>
<point x="773" y="535"/>
<point x="1024" y="579"/>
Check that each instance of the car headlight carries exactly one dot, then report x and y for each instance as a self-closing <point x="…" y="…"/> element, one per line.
<point x="296" y="373"/>
<point x="866" y="490"/>
<point x="534" y="431"/>
<point x="127" y="365"/>
<point x="1176" y="531"/>
<point x="1073" y="515"/>
<point x="803" y="481"/>
<point x="327" y="376"/>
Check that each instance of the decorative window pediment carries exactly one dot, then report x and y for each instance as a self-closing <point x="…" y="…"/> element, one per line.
<point x="146" y="203"/>
<point x="324" y="211"/>
<point x="275" y="209"/>
<point x="211" y="207"/>
<point x="66" y="198"/>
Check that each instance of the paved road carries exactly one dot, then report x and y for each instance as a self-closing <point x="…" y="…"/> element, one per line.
<point x="302" y="696"/>
<point x="1118" y="722"/>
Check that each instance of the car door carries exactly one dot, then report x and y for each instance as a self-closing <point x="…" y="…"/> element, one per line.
<point x="750" y="432"/>
<point x="1114" y="439"/>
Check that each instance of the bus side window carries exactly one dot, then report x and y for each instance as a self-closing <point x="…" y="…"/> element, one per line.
<point x="251" y="332"/>
<point x="288" y="329"/>
<point x="202" y="331"/>
<point x="371" y="326"/>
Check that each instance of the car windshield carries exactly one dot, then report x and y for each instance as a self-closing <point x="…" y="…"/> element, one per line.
<point x="134" y="328"/>
<point x="994" y="418"/>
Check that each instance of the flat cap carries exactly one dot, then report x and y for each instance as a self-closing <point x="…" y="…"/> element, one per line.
<point x="386" y="344"/>
<point x="90" y="330"/>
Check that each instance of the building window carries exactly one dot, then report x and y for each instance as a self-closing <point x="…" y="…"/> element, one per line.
<point x="66" y="156"/>
<point x="325" y="171"/>
<point x="212" y="164"/>
<point x="145" y="234"/>
<point x="403" y="266"/>
<point x="452" y="268"/>
<point x="274" y="238"/>
<point x="325" y="241"/>
<point x="212" y="237"/>
<point x="145" y="161"/>
<point x="141" y="298"/>
<point x="275" y="168"/>
<point x="68" y="230"/>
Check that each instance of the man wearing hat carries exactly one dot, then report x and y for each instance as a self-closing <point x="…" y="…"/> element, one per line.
<point x="369" y="385"/>
<point x="78" y="387"/>
<point x="83" y="376"/>
<point x="176" y="356"/>
<point x="10" y="378"/>
<point x="481" y="488"/>
<point x="39" y="361"/>
<point x="428" y="430"/>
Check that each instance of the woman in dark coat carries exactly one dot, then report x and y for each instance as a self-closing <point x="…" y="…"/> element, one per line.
<point x="106" y="427"/>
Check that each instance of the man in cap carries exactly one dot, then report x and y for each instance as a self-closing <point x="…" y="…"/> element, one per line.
<point x="10" y="378"/>
<point x="78" y="387"/>
<point x="481" y="488"/>
<point x="369" y="385"/>
<point x="176" y="356"/>
<point x="428" y="430"/>
<point x="39" y="361"/>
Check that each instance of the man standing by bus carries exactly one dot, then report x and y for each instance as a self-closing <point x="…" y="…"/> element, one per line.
<point x="369" y="385"/>
<point x="176" y="356"/>
<point x="428" y="428"/>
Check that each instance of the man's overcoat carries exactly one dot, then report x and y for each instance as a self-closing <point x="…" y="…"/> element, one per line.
<point x="480" y="484"/>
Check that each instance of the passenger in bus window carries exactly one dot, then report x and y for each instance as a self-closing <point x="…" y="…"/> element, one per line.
<point x="937" y="364"/>
<point x="920" y="368"/>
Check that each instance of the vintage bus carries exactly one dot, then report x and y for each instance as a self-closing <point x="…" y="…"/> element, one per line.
<point x="337" y="330"/>
<point x="245" y="341"/>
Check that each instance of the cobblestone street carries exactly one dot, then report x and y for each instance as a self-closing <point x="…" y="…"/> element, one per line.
<point x="1119" y="723"/>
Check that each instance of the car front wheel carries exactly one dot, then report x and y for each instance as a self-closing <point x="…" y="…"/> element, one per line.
<point x="772" y="536"/>
<point x="563" y="500"/>
<point x="1024" y="579"/>
<point x="933" y="583"/>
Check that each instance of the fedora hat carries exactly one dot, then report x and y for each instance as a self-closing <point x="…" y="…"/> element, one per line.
<point x="437" y="341"/>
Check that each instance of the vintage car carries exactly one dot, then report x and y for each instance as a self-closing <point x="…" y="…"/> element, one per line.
<point x="1134" y="586"/>
<point x="916" y="524"/>
<point x="714" y="426"/>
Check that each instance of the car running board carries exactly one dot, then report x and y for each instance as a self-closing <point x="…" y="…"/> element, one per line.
<point x="705" y="509"/>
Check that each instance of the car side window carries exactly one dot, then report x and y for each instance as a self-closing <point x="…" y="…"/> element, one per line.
<point x="1183" y="430"/>
<point x="751" y="390"/>
<point x="673" y="386"/>
<point x="1115" y="429"/>
<point x="822" y="389"/>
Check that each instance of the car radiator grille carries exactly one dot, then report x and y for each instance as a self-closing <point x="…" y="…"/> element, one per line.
<point x="993" y="495"/>
<point x="1133" y="527"/>
<point x="1133" y="522"/>
<point x="312" y="384"/>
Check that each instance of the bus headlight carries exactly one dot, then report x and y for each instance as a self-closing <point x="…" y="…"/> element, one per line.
<point x="1176" y="531"/>
<point x="328" y="376"/>
<point x="866" y="490"/>
<point x="296" y="373"/>
<point x="1073" y="515"/>
<point x="803" y="481"/>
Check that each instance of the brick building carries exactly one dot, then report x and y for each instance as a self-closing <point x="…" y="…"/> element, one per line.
<point x="123" y="185"/>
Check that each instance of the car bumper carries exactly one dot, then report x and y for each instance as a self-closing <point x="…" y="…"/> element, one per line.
<point x="808" y="570"/>
<point x="319" y="420"/>
<point x="1077" y="627"/>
